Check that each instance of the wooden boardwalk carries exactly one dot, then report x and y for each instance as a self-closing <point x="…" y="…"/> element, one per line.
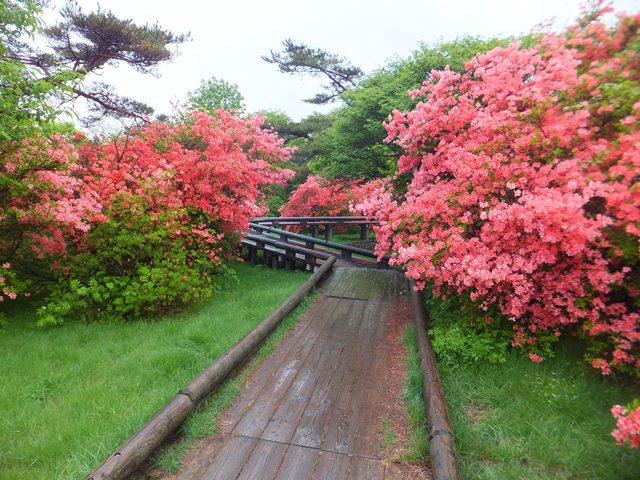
<point x="315" y="409"/>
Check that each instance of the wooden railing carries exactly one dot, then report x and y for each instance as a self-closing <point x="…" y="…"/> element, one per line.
<point x="312" y="223"/>
<point x="286" y="247"/>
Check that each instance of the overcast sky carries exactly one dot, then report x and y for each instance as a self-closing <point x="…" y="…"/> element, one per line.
<point x="229" y="37"/>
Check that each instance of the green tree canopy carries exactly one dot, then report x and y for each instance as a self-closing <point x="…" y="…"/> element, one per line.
<point x="26" y="98"/>
<point x="299" y="58"/>
<point x="353" y="146"/>
<point x="216" y="93"/>
<point x="79" y="44"/>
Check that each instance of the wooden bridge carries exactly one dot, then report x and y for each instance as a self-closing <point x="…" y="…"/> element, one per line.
<point x="315" y="409"/>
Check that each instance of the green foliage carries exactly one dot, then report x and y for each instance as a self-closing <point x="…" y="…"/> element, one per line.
<point x="299" y="58"/>
<point x="132" y="267"/>
<point x="34" y="79"/>
<point x="353" y="146"/>
<point x="418" y="445"/>
<point x="461" y="336"/>
<point x="25" y="97"/>
<point x="455" y="343"/>
<point x="214" y="94"/>
<point x="512" y="419"/>
<point x="303" y="136"/>
<point x="511" y="416"/>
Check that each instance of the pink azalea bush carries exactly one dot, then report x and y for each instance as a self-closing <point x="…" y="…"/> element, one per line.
<point x="43" y="207"/>
<point x="319" y="196"/>
<point x="524" y="192"/>
<point x="140" y="224"/>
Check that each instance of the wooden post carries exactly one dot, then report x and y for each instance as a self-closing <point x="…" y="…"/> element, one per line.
<point x="253" y="255"/>
<point x="260" y="246"/>
<point x="384" y="263"/>
<point x="328" y="232"/>
<point x="314" y="230"/>
<point x="364" y="232"/>
<point x="126" y="459"/>
<point x="290" y="260"/>
<point x="442" y="449"/>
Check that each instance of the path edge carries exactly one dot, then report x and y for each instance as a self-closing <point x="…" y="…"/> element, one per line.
<point x="142" y="444"/>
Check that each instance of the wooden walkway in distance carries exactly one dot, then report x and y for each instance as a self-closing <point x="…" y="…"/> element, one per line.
<point x="315" y="409"/>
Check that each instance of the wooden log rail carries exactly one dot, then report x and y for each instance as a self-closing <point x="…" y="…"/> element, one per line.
<point x="441" y="440"/>
<point x="126" y="459"/>
<point x="290" y="253"/>
<point x="346" y="251"/>
<point x="314" y="222"/>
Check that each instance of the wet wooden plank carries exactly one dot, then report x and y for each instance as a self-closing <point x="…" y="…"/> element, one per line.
<point x="366" y="468"/>
<point x="329" y="282"/>
<point x="353" y="403"/>
<point x="264" y="462"/>
<point x="315" y="408"/>
<point x="298" y="463"/>
<point x="336" y="434"/>
<point x="256" y="418"/>
<point x="349" y="275"/>
<point x="331" y="466"/>
<point x="310" y="429"/>
<point x="272" y="373"/>
<point x="361" y="286"/>
<point x="285" y="420"/>
<point x="314" y="430"/>
<point x="370" y="414"/>
<point x="229" y="460"/>
<point x="204" y="455"/>
<point x="357" y="277"/>
<point x="338" y="275"/>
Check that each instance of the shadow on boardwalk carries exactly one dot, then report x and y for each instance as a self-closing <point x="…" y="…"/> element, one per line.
<point x="316" y="407"/>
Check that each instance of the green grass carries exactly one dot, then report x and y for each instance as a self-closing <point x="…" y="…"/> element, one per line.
<point x="70" y="395"/>
<point x="521" y="420"/>
<point x="417" y="448"/>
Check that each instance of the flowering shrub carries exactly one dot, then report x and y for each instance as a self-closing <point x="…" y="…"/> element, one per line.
<point x="174" y="199"/>
<point x="43" y="206"/>
<point x="319" y="196"/>
<point x="627" y="425"/>
<point x="524" y="187"/>
<point x="136" y="225"/>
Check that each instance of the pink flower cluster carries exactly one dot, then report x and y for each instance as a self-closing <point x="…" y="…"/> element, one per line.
<point x="212" y="165"/>
<point x="318" y="196"/>
<point x="524" y="191"/>
<point x="627" y="426"/>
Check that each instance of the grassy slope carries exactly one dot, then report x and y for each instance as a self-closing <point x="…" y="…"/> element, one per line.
<point x="521" y="420"/>
<point x="70" y="395"/>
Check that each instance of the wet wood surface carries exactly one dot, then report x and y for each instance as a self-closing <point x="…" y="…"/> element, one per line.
<point x="315" y="409"/>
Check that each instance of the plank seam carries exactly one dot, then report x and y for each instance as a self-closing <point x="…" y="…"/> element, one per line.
<point x="318" y="449"/>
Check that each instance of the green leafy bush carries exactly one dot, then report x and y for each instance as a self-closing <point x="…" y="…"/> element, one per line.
<point x="132" y="266"/>
<point x="460" y="335"/>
